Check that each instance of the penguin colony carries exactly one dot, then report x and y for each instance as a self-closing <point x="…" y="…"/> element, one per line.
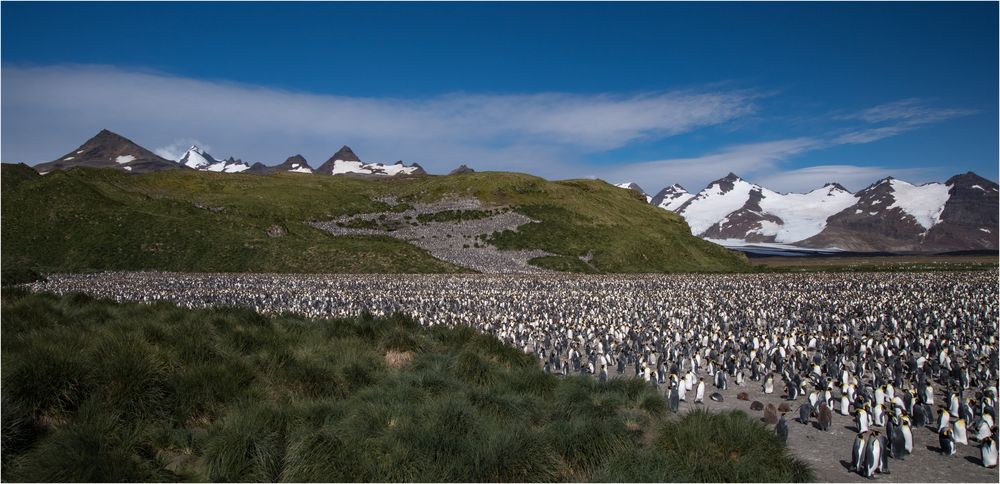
<point x="897" y="353"/>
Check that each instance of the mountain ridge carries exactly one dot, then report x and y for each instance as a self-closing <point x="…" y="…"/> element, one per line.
<point x="890" y="215"/>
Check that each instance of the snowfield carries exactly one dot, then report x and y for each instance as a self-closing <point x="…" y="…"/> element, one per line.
<point x="924" y="203"/>
<point x="803" y="214"/>
<point x="712" y="205"/>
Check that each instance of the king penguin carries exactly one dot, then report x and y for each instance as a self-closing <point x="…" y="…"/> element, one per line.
<point x="805" y="411"/>
<point x="858" y="452"/>
<point x="884" y="442"/>
<point x="907" y="436"/>
<point x="861" y="420"/>
<point x="946" y="442"/>
<point x="782" y="429"/>
<point x="988" y="452"/>
<point x="942" y="420"/>
<point x="958" y="430"/>
<point x="873" y="455"/>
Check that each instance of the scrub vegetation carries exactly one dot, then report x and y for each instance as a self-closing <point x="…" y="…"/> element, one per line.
<point x="98" y="391"/>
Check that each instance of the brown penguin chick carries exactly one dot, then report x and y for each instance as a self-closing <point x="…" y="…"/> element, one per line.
<point x="756" y="406"/>
<point x="770" y="414"/>
<point x="743" y="396"/>
<point x="784" y="407"/>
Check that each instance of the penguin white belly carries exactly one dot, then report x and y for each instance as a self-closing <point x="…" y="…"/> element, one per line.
<point x="983" y="430"/>
<point x="988" y="452"/>
<point x="958" y="430"/>
<point x="845" y="406"/>
<point x="942" y="422"/>
<point x="873" y="457"/>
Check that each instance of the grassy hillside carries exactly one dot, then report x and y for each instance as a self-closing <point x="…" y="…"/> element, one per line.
<point x="97" y="391"/>
<point x="86" y="219"/>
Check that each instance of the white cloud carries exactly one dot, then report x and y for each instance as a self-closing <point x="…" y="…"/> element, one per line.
<point x="50" y="110"/>
<point x="746" y="160"/>
<point x="176" y="149"/>
<point x="896" y="118"/>
<point x="908" y="112"/>
<point x="852" y="177"/>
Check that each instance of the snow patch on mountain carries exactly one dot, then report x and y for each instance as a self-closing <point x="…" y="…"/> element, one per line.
<point x="341" y="167"/>
<point x="715" y="203"/>
<point x="924" y="203"/>
<point x="121" y="160"/>
<point x="676" y="203"/>
<point x="803" y="215"/>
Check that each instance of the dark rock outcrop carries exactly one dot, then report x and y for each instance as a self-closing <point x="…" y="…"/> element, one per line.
<point x="969" y="219"/>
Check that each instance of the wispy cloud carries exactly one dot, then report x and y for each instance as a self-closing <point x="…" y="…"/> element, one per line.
<point x="745" y="160"/>
<point x="908" y="112"/>
<point x="767" y="162"/>
<point x="896" y="118"/>
<point x="852" y="177"/>
<point x="51" y="109"/>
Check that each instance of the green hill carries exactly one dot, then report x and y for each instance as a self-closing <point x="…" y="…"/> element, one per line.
<point x="98" y="391"/>
<point x="93" y="219"/>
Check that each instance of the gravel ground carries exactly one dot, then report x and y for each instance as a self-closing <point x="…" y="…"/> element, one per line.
<point x="456" y="242"/>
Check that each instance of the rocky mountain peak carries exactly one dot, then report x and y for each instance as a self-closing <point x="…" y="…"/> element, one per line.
<point x="461" y="169"/>
<point x="345" y="154"/>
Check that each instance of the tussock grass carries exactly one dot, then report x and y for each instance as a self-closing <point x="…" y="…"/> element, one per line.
<point x="98" y="391"/>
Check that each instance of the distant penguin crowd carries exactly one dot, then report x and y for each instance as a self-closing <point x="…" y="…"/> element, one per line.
<point x="894" y="352"/>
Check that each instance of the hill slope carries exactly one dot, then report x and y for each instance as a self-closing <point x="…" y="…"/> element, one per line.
<point x="184" y="220"/>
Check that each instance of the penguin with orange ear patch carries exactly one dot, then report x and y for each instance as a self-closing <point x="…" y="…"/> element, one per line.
<point x="946" y="441"/>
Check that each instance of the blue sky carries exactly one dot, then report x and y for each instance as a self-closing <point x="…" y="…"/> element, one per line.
<point x="787" y="95"/>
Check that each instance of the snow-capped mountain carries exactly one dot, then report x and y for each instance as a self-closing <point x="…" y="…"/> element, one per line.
<point x="344" y="162"/>
<point x="197" y="159"/>
<point x="631" y="186"/>
<point x="295" y="164"/>
<point x="894" y="215"/>
<point x="634" y="186"/>
<point x="889" y="215"/>
<point x="109" y="150"/>
<point x="671" y="198"/>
